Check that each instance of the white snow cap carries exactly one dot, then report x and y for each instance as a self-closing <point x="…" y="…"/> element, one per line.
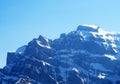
<point x="87" y="27"/>
<point x="92" y="26"/>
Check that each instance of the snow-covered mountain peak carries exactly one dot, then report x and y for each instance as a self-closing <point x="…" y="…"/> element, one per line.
<point x="43" y="40"/>
<point x="94" y="31"/>
<point x="87" y="30"/>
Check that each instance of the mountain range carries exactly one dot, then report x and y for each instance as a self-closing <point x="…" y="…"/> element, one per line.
<point x="88" y="55"/>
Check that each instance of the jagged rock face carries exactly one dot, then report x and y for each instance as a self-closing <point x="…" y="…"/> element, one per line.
<point x="88" y="55"/>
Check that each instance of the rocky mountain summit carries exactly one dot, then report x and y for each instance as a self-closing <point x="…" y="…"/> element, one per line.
<point x="88" y="55"/>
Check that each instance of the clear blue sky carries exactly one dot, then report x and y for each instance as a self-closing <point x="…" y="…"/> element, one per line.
<point x="23" y="20"/>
